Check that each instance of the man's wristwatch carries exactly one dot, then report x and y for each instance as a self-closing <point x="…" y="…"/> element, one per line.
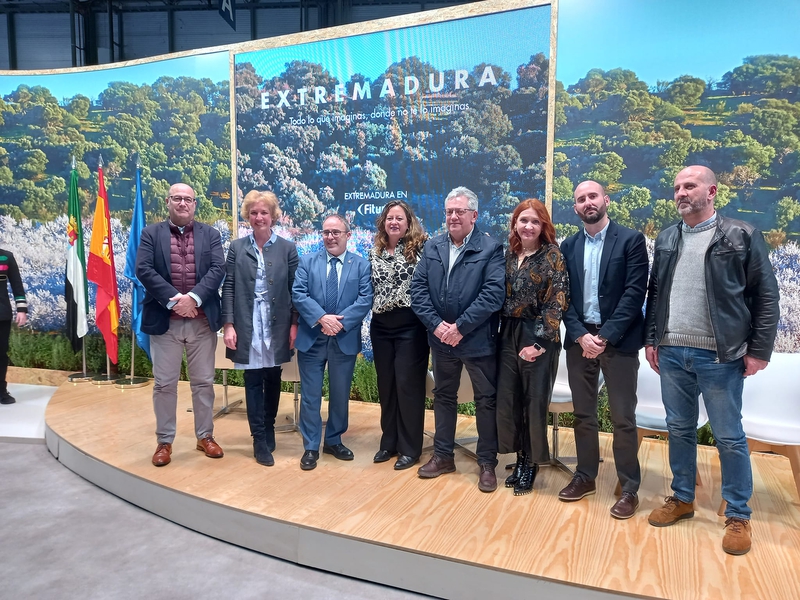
<point x="602" y="339"/>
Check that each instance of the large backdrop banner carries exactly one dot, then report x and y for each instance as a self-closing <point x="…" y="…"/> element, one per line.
<point x="348" y="124"/>
<point x="645" y="88"/>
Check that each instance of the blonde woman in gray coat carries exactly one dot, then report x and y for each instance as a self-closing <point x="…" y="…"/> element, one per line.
<point x="260" y="323"/>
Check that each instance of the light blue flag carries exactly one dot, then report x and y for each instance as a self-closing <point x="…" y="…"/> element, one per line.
<point x="137" y="297"/>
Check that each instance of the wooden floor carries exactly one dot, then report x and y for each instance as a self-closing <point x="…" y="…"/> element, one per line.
<point x="535" y="536"/>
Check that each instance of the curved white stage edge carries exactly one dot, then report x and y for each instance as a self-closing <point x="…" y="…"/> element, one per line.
<point x="490" y="544"/>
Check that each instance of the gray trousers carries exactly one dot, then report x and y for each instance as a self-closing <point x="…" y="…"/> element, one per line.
<point x="194" y="336"/>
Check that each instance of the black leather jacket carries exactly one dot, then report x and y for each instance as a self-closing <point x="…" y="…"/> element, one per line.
<point x="741" y="287"/>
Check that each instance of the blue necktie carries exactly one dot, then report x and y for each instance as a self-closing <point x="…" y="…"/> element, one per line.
<point x="332" y="288"/>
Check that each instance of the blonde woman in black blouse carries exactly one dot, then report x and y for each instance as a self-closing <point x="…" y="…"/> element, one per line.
<point x="537" y="293"/>
<point x="399" y="340"/>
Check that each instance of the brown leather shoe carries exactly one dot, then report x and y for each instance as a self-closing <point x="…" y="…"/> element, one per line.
<point x="162" y="455"/>
<point x="436" y="466"/>
<point x="210" y="447"/>
<point x="737" y="536"/>
<point x="577" y="489"/>
<point x="487" y="480"/>
<point x="673" y="511"/>
<point x="626" y="506"/>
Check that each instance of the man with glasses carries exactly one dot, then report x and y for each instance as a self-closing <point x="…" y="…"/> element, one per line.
<point x="457" y="292"/>
<point x="181" y="265"/>
<point x="333" y="293"/>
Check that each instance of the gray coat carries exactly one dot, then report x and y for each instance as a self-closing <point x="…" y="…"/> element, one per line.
<point x="238" y="295"/>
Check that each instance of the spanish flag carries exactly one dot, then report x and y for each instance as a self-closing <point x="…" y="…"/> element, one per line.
<point x="101" y="270"/>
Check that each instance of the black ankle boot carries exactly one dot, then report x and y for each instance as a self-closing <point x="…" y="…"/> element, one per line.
<point x="262" y="453"/>
<point x="512" y="479"/>
<point x="525" y="483"/>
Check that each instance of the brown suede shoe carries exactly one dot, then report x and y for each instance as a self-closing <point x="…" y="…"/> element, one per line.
<point x="162" y="455"/>
<point x="626" y="506"/>
<point x="737" y="536"/>
<point x="436" y="466"/>
<point x="577" y="489"/>
<point x="210" y="447"/>
<point x="673" y="511"/>
<point x="487" y="480"/>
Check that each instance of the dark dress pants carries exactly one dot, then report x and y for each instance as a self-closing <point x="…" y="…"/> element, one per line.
<point x="400" y="348"/>
<point x="621" y="371"/>
<point x="5" y="335"/>
<point x="482" y="372"/>
<point x="262" y="392"/>
<point x="524" y="390"/>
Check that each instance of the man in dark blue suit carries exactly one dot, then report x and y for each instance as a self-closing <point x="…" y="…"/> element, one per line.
<point x="181" y="265"/>
<point x="332" y="291"/>
<point x="607" y="265"/>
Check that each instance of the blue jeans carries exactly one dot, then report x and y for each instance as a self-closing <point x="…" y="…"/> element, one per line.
<point x="685" y="373"/>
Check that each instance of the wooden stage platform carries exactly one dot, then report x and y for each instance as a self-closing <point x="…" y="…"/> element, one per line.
<point x="441" y="537"/>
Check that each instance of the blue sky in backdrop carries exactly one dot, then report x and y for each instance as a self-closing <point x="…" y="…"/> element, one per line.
<point x="664" y="40"/>
<point x="214" y="66"/>
<point x="506" y="39"/>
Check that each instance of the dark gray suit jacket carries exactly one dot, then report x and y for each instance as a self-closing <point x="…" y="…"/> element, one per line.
<point x="238" y="295"/>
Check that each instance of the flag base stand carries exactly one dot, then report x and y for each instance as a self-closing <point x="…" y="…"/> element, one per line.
<point x="81" y="377"/>
<point x="104" y="379"/>
<point x="131" y="382"/>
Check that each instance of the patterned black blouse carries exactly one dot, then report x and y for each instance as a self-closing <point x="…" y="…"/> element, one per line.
<point x="391" y="279"/>
<point x="538" y="290"/>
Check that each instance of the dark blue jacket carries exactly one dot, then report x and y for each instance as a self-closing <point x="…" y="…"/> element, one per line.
<point x="621" y="290"/>
<point x="472" y="299"/>
<point x="153" y="270"/>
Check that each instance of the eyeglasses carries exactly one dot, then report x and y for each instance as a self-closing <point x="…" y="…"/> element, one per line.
<point x="332" y="232"/>
<point x="457" y="211"/>
<point x="182" y="199"/>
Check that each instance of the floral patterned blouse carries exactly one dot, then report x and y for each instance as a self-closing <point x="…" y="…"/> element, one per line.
<point x="391" y="279"/>
<point x="538" y="290"/>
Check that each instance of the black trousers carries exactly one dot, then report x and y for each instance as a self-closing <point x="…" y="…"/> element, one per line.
<point x="5" y="334"/>
<point x="482" y="372"/>
<point x="524" y="390"/>
<point x="262" y="393"/>
<point x="621" y="371"/>
<point x="400" y="348"/>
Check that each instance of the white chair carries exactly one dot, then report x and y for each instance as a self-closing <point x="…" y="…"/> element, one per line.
<point x="651" y="416"/>
<point x="465" y="394"/>
<point x="289" y="372"/>
<point x="561" y="402"/>
<point x="223" y="363"/>
<point x="771" y="410"/>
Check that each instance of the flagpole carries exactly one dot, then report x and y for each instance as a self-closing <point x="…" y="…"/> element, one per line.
<point x="83" y="375"/>
<point x="102" y="379"/>
<point x="137" y="223"/>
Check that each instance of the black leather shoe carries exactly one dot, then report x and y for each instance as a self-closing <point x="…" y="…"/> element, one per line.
<point x="405" y="462"/>
<point x="383" y="456"/>
<point x="6" y="398"/>
<point x="262" y="453"/>
<point x="309" y="460"/>
<point x="339" y="451"/>
<point x="512" y="479"/>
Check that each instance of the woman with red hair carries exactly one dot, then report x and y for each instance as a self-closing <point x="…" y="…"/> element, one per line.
<point x="537" y="293"/>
